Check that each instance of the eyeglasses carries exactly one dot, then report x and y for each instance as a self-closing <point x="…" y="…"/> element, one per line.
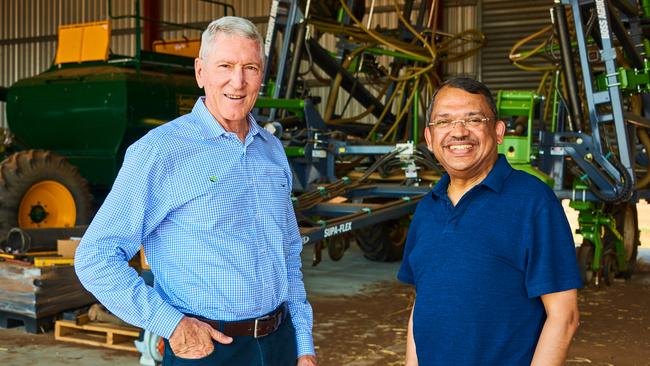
<point x="449" y="124"/>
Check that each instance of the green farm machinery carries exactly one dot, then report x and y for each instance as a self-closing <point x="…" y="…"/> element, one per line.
<point x="585" y="128"/>
<point x="356" y="175"/>
<point x="71" y="125"/>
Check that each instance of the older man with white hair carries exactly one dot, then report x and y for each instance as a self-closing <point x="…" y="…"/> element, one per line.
<point x="209" y="196"/>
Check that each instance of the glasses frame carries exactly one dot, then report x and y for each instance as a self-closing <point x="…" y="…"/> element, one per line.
<point x="452" y="123"/>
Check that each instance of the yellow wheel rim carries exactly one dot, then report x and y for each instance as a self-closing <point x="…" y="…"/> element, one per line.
<point x="47" y="204"/>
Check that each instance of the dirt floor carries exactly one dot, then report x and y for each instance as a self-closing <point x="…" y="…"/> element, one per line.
<point x="614" y="327"/>
<point x="361" y="313"/>
<point x="367" y="327"/>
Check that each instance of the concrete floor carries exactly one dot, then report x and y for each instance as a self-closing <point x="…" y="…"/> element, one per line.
<point x="351" y="291"/>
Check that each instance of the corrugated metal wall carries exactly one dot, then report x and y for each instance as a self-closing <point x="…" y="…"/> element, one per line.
<point x="28" y="30"/>
<point x="28" y="33"/>
<point x="504" y="22"/>
<point x="458" y="18"/>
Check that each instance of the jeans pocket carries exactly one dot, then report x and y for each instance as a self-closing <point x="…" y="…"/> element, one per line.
<point x="171" y="359"/>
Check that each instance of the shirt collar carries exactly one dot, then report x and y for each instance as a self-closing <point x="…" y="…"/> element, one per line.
<point x="212" y="129"/>
<point x="495" y="179"/>
<point x="497" y="176"/>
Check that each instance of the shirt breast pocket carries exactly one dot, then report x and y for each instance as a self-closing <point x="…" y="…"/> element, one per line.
<point x="274" y="195"/>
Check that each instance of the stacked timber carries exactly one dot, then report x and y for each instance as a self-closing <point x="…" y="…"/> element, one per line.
<point x="34" y="296"/>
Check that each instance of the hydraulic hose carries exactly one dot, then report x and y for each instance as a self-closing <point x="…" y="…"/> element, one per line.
<point x="637" y="108"/>
<point x="564" y="38"/>
<point x="624" y="194"/>
<point x="296" y="58"/>
<point x="645" y="140"/>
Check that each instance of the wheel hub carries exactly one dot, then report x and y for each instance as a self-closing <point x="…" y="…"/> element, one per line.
<point x="38" y="213"/>
<point x="47" y="203"/>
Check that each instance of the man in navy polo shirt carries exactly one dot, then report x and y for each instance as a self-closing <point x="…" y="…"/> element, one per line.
<point x="489" y="250"/>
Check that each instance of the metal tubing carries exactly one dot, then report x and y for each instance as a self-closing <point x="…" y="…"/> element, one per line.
<point x="645" y="7"/>
<point x="624" y="6"/>
<point x="391" y="210"/>
<point x="295" y="58"/>
<point x="564" y="38"/>
<point x="151" y="28"/>
<point x="22" y="240"/>
<point x="329" y="65"/>
<point x="288" y="29"/>
<point x="625" y="41"/>
<point x="556" y="101"/>
<point x="271" y="32"/>
<point x="415" y="136"/>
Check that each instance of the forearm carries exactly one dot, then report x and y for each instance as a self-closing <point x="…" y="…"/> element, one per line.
<point x="555" y="339"/>
<point x="411" y="355"/>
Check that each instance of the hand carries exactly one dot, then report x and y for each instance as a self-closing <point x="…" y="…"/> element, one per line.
<point x="307" y="360"/>
<point x="192" y="339"/>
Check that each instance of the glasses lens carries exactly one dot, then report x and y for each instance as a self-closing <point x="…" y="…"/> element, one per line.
<point x="442" y="124"/>
<point x="475" y="122"/>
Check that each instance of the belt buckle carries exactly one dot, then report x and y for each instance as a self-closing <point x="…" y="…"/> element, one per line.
<point x="255" y="335"/>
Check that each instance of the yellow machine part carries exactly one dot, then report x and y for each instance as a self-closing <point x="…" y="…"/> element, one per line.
<point x="188" y="47"/>
<point x="83" y="42"/>
<point x="55" y="203"/>
<point x="52" y="261"/>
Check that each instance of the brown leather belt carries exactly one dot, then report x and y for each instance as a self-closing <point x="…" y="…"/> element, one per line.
<point x="255" y="328"/>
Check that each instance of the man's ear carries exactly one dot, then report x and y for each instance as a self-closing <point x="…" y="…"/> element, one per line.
<point x="198" y="72"/>
<point x="427" y="136"/>
<point x="500" y="130"/>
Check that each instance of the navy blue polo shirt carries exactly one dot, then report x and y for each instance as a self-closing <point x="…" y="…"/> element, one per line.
<point x="480" y="267"/>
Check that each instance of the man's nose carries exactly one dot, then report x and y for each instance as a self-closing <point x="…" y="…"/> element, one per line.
<point x="237" y="78"/>
<point x="459" y="129"/>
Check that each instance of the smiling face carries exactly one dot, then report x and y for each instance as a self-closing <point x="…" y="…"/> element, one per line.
<point x="465" y="153"/>
<point x="231" y="75"/>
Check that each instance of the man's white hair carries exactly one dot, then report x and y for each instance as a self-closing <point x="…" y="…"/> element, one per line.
<point x="232" y="26"/>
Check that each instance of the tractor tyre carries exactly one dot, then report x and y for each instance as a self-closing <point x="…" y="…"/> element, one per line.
<point x="383" y="242"/>
<point x="627" y="224"/>
<point x="39" y="189"/>
<point x="585" y="254"/>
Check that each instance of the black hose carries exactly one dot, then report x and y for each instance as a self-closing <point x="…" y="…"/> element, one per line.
<point x="564" y="39"/>
<point x="620" y="195"/>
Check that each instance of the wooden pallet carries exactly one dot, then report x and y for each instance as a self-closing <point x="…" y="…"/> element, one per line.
<point x="97" y="334"/>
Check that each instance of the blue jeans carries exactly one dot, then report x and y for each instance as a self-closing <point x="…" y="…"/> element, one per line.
<point x="275" y="349"/>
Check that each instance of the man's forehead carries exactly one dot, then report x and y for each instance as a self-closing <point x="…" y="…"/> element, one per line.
<point x="230" y="58"/>
<point x="453" y="100"/>
<point x="459" y="113"/>
<point x="232" y="51"/>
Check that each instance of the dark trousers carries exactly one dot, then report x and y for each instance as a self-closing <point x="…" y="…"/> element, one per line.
<point x="275" y="349"/>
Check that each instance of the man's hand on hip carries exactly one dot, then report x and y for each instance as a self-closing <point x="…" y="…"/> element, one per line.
<point x="307" y="360"/>
<point x="192" y="338"/>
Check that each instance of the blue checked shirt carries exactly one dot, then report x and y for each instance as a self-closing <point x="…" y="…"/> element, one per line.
<point x="217" y="224"/>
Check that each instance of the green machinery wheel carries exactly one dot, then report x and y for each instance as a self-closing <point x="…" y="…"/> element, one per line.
<point x="383" y="242"/>
<point x="39" y="189"/>
<point x="627" y="224"/>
